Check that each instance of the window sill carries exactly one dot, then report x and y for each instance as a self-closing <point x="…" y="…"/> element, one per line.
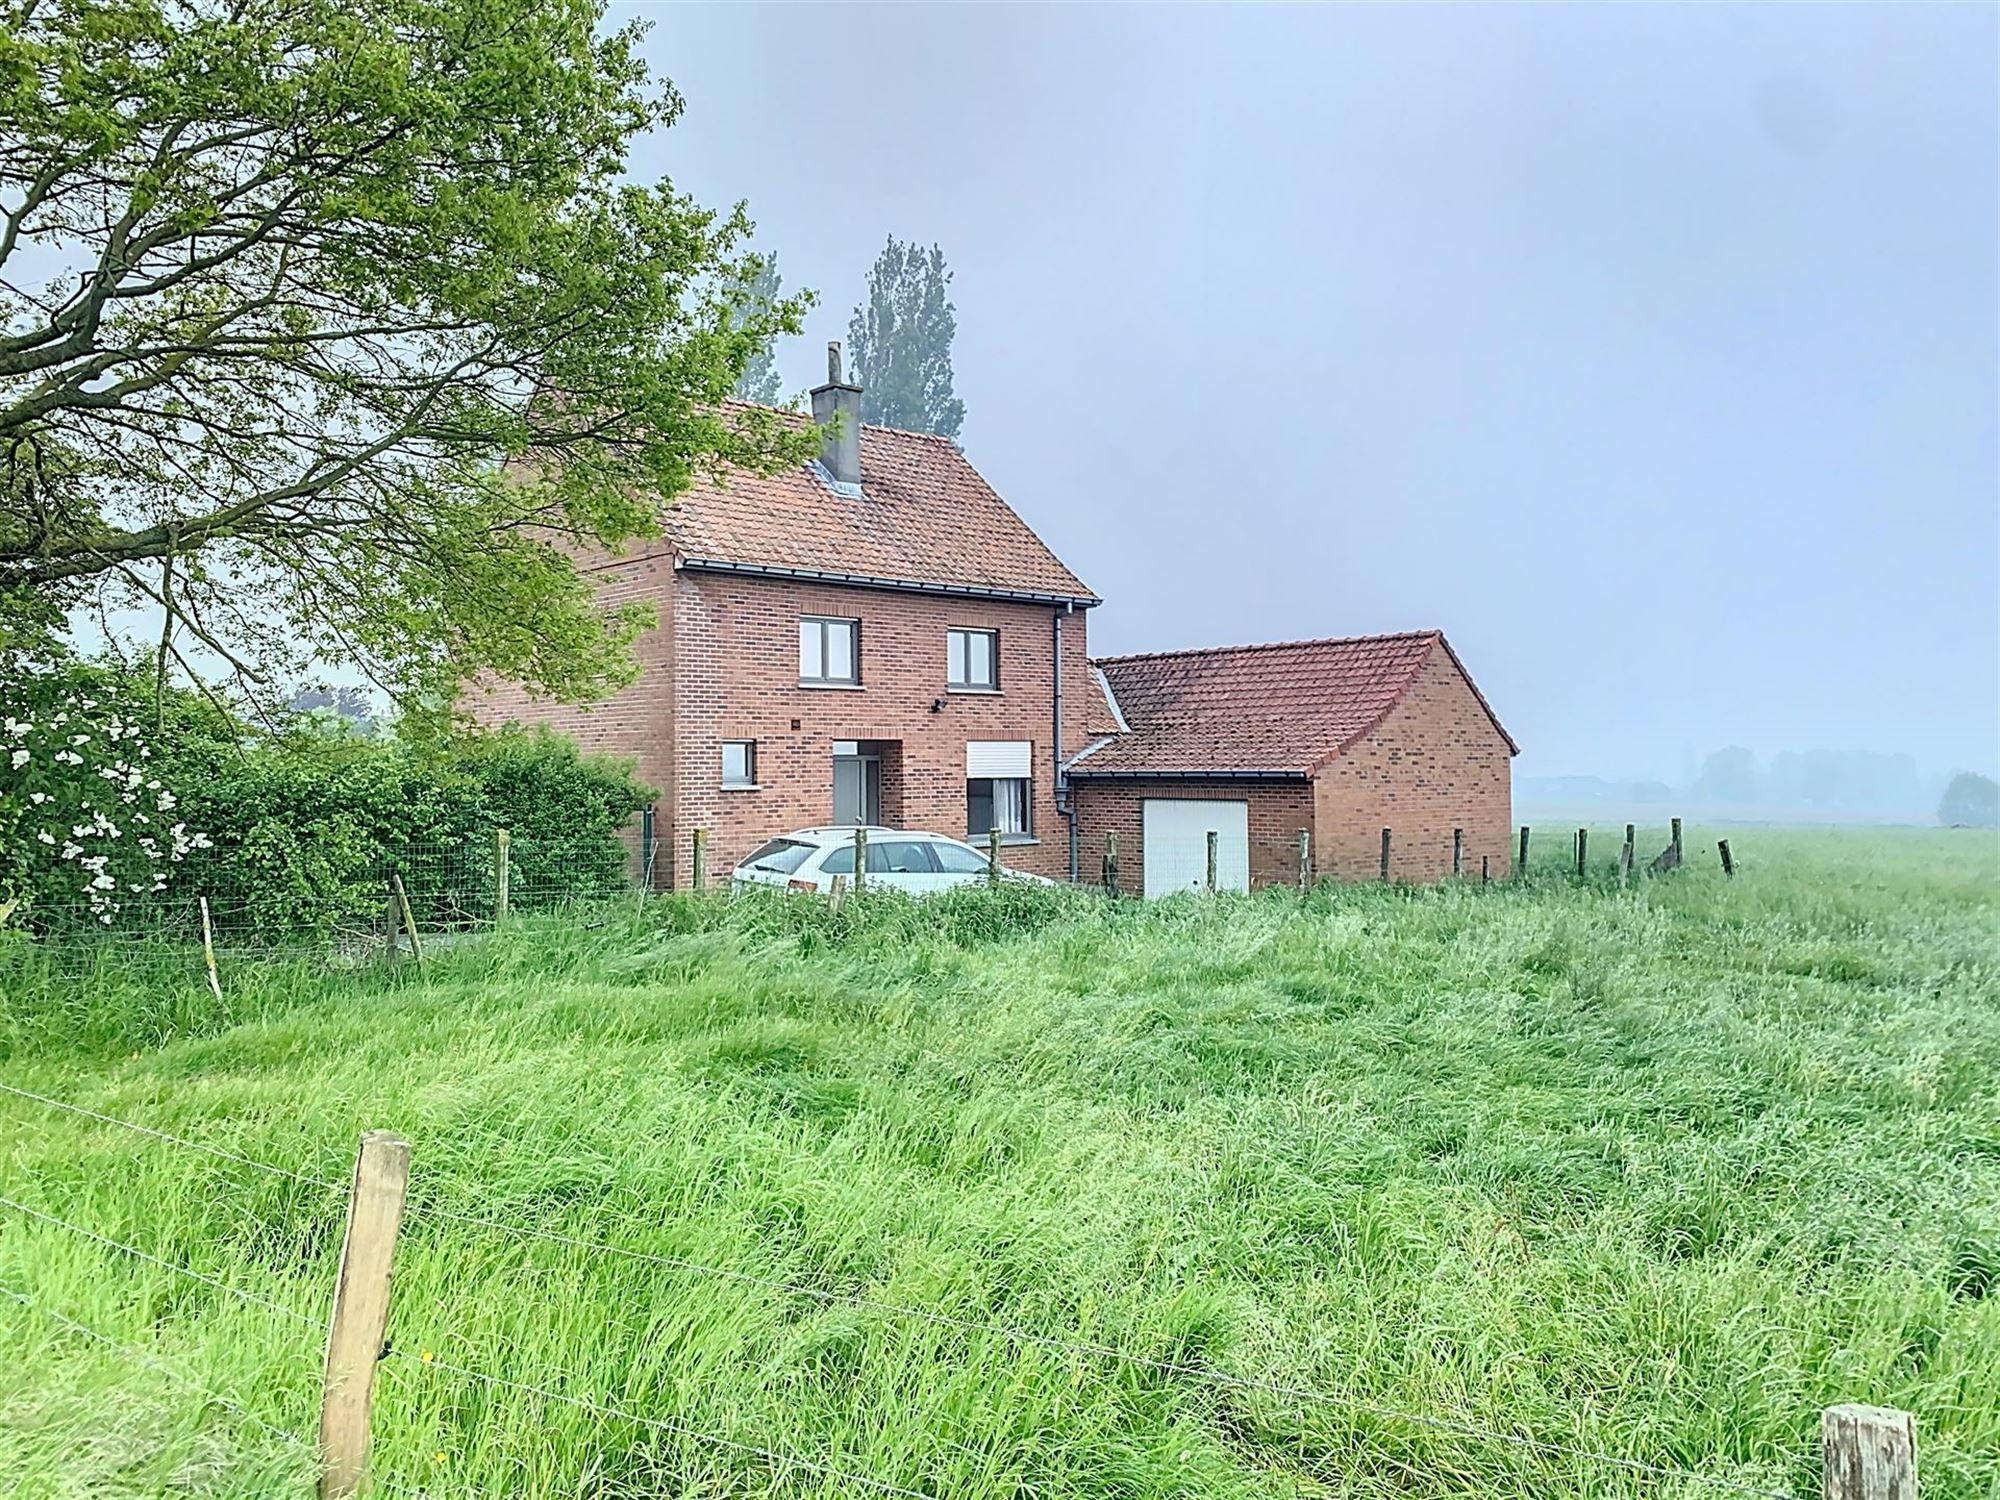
<point x="833" y="687"/>
<point x="1007" y="840"/>
<point x="973" y="692"/>
<point x="742" y="786"/>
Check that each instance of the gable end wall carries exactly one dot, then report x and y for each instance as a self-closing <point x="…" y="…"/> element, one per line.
<point x="1436" y="763"/>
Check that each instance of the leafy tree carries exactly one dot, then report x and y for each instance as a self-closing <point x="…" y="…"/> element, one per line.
<point x="1728" y="776"/>
<point x="1970" y="801"/>
<point x="757" y="294"/>
<point x="899" y="342"/>
<point x="350" y="330"/>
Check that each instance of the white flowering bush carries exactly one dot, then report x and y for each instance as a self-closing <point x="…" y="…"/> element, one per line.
<point x="87" y="826"/>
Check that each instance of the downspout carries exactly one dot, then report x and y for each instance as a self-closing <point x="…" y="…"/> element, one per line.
<point x="1063" y="803"/>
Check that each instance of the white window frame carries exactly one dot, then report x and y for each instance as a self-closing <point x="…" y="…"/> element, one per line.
<point x="749" y="765"/>
<point x="821" y="625"/>
<point x="958" y="648"/>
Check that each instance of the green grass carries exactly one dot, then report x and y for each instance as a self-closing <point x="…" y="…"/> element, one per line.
<point x="1656" y="1173"/>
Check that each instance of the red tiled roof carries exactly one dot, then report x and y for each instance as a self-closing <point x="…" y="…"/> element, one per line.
<point x="1278" y="709"/>
<point x="924" y="516"/>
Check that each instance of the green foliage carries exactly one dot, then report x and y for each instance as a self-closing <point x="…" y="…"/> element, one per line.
<point x="757" y="294"/>
<point x="899" y="341"/>
<point x="307" y="827"/>
<point x="1970" y="801"/>
<point x="355" y="313"/>
<point x="88" y="825"/>
<point x="1655" y="1173"/>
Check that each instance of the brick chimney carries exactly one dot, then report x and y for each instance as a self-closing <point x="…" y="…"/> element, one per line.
<point x="837" y="410"/>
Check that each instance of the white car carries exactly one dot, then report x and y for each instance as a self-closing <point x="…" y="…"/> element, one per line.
<point x="918" y="863"/>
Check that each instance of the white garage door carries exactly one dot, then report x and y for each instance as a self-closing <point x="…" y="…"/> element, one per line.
<point x="1176" y="845"/>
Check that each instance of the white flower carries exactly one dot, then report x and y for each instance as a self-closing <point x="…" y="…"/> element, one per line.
<point x="21" y="758"/>
<point x="38" y="798"/>
<point x="65" y="757"/>
<point x="166" y="802"/>
<point x="79" y="739"/>
<point x="103" y="882"/>
<point x="46" y="837"/>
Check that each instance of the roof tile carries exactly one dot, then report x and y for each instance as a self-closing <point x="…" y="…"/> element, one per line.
<point x="925" y="517"/>
<point x="1281" y="708"/>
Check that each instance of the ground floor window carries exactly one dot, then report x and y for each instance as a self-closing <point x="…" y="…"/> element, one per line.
<point x="1001" y="802"/>
<point x="739" y="762"/>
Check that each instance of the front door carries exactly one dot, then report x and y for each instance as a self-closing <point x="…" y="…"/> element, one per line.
<point x="857" y="784"/>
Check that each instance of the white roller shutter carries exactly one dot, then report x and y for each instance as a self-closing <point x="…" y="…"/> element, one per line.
<point x="999" y="758"/>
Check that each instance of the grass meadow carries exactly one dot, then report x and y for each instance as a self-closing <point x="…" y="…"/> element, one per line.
<point x="1379" y="1192"/>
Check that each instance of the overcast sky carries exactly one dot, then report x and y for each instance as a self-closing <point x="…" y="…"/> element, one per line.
<point x="1649" y="352"/>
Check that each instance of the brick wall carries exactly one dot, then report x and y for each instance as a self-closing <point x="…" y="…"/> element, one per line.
<point x="1277" y="811"/>
<point x="739" y="679"/>
<point x="635" y="724"/>
<point x="1436" y="763"/>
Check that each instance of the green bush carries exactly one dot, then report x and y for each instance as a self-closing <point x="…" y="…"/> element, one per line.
<point x="307" y="827"/>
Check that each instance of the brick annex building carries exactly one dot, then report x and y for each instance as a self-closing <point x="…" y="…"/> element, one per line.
<point x="876" y="637"/>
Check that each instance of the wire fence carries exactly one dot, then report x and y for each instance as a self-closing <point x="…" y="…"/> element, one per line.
<point x="435" y="894"/>
<point x="778" y="1461"/>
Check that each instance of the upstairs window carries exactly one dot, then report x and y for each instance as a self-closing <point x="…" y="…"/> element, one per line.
<point x="972" y="660"/>
<point x="829" y="652"/>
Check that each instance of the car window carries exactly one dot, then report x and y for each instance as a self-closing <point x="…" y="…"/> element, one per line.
<point x="782" y="856"/>
<point x="956" y="859"/>
<point x="900" y="857"/>
<point x="840" y="861"/>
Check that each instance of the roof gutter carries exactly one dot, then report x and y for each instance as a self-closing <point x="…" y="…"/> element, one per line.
<point x="1082" y="772"/>
<point x="895" y="585"/>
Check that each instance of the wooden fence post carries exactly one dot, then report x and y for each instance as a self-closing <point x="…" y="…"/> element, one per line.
<point x="1867" y="1453"/>
<point x="1679" y="852"/>
<point x="503" y="873"/>
<point x="993" y="858"/>
<point x="1521" y="859"/>
<point x="1385" y="856"/>
<point x="1305" y="859"/>
<point x="860" y="860"/>
<point x="1728" y="864"/>
<point x="649" y="849"/>
<point x="700" y="859"/>
<point x="836" y="895"/>
<point x="360" y="1310"/>
<point x="409" y="919"/>
<point x="208" y="951"/>
<point x="1625" y="863"/>
<point x="1484" y="876"/>
<point x="1110" y="864"/>
<point x="1457" y="852"/>
<point x="1214" y="838"/>
<point x="1582" y="850"/>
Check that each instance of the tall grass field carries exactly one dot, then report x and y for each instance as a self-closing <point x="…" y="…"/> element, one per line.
<point x="1543" y="1189"/>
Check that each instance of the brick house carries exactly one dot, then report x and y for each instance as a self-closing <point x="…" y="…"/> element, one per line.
<point x="1337" y="738"/>
<point x="873" y="637"/>
<point x="877" y="637"/>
